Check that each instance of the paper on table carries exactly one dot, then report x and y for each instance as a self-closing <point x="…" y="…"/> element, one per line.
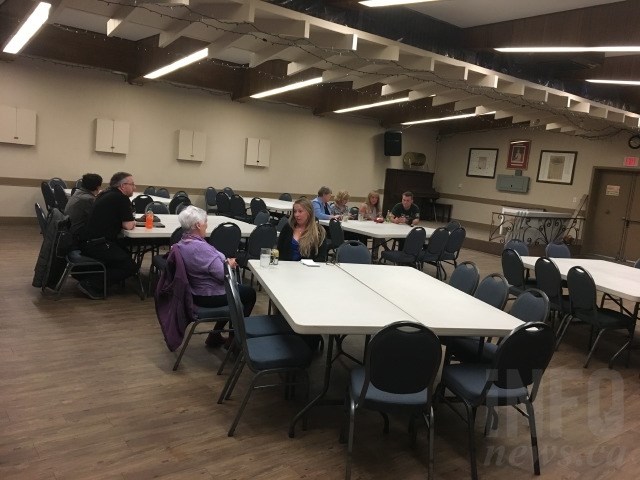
<point x="309" y="263"/>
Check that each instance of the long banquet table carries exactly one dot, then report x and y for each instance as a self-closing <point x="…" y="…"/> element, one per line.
<point x="372" y="296"/>
<point x="377" y="230"/>
<point x="164" y="200"/>
<point x="171" y="222"/>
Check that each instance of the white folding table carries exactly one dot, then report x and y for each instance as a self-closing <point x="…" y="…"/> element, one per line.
<point x="373" y="297"/>
<point x="164" y="200"/>
<point x="171" y="222"/>
<point x="274" y="205"/>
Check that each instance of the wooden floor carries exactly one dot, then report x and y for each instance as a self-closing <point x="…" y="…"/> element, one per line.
<point x="88" y="393"/>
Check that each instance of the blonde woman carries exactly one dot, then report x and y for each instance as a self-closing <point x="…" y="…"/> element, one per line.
<point x="340" y="208"/>
<point x="302" y="237"/>
<point x="371" y="209"/>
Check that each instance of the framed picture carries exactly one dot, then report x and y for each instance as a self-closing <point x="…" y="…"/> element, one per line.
<point x="557" y="167"/>
<point x="482" y="162"/>
<point x="519" y="154"/>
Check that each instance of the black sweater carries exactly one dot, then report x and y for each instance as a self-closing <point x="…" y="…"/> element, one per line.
<point x="284" y="246"/>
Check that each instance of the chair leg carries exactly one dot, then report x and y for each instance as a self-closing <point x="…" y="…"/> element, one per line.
<point x="234" y="379"/>
<point x="233" y="345"/>
<point x="352" y="425"/>
<point x="184" y="345"/>
<point x="385" y="417"/>
<point x="471" y="420"/>
<point x="562" y="329"/>
<point x="534" y="437"/>
<point x="245" y="400"/>
<point x="595" y="344"/>
<point x="430" y="426"/>
<point x="232" y="375"/>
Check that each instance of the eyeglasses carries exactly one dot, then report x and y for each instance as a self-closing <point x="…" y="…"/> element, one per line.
<point x="129" y="183"/>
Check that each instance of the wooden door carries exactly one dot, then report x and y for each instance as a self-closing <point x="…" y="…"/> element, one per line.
<point x="631" y="244"/>
<point x="607" y="233"/>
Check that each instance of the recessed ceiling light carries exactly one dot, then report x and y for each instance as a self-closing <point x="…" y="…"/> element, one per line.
<point x="287" y="88"/>
<point x="620" y="49"/>
<point x="183" y="62"/>
<point x="391" y="3"/>
<point x="615" y="82"/>
<point x="29" y="28"/>
<point x="372" y="105"/>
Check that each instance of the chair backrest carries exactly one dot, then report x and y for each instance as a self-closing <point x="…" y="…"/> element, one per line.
<point x="158" y="207"/>
<point x="452" y="225"/>
<point x="237" y="206"/>
<point x="235" y="310"/>
<point x="257" y="205"/>
<point x="282" y="222"/>
<point x="60" y="196"/>
<point x="210" y="197"/>
<point x="226" y="239"/>
<point x="465" y="277"/>
<point x="438" y="241"/>
<point x="402" y="358"/>
<point x="141" y="202"/>
<point x="263" y="236"/>
<point x="549" y="279"/>
<point x="354" y="211"/>
<point x="454" y="243"/>
<point x="181" y="206"/>
<point x="513" y="268"/>
<point x="522" y="357"/>
<point x="57" y="181"/>
<point x="532" y="305"/>
<point x="285" y="196"/>
<point x="162" y="192"/>
<point x="229" y="191"/>
<point x="493" y="290"/>
<point x="42" y="218"/>
<point x="150" y="190"/>
<point x="336" y="233"/>
<point x="180" y="193"/>
<point x="414" y="241"/>
<point x="48" y="196"/>
<point x="224" y="205"/>
<point x="261" y="217"/>
<point x="637" y="264"/>
<point x="353" y="251"/>
<point x="582" y="291"/>
<point x="176" y="236"/>
<point x="557" y="250"/>
<point x="175" y="201"/>
<point x="517" y="245"/>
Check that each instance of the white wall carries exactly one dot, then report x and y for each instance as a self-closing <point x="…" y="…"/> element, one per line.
<point x="306" y="151"/>
<point x="453" y="152"/>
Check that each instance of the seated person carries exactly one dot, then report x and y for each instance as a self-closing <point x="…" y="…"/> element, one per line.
<point x="370" y="209"/>
<point x="340" y="207"/>
<point x="406" y="211"/>
<point x="205" y="269"/>
<point x="81" y="203"/>
<point x="302" y="237"/>
<point x="111" y="214"/>
<point x="321" y="204"/>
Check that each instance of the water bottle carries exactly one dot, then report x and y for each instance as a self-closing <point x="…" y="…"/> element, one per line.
<point x="148" y="219"/>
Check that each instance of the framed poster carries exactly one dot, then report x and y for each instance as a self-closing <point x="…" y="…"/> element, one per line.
<point x="557" y="167"/>
<point x="482" y="162"/>
<point x="519" y="154"/>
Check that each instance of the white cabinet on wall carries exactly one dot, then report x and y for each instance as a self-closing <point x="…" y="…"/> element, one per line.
<point x="191" y="145"/>
<point x="17" y="125"/>
<point x="258" y="152"/>
<point x="112" y="136"/>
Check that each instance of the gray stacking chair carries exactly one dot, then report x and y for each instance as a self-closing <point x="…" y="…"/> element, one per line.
<point x="412" y="248"/>
<point x="557" y="250"/>
<point x="398" y="374"/>
<point x="353" y="251"/>
<point x="210" y="200"/>
<point x="465" y="277"/>
<point x="511" y="379"/>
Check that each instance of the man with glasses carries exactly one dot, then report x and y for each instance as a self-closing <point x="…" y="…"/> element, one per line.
<point x="111" y="213"/>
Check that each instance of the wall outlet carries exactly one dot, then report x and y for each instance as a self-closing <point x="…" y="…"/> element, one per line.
<point x="575" y="199"/>
<point x="459" y="185"/>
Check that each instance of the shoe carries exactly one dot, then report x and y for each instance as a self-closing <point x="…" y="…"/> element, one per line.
<point x="214" y="339"/>
<point x="86" y="288"/>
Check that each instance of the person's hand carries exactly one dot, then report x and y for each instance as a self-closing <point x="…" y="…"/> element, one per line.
<point x="232" y="262"/>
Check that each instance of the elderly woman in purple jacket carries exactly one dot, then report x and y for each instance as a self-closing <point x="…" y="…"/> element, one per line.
<point x="205" y="268"/>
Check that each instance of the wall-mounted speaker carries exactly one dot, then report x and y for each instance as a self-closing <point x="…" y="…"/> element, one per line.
<point x="392" y="143"/>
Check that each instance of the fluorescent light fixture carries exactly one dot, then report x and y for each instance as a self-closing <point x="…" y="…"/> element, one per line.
<point x="391" y="3"/>
<point x="621" y="49"/>
<point x="372" y="105"/>
<point x="29" y="28"/>
<point x="443" y="119"/>
<point x="615" y="82"/>
<point x="183" y="62"/>
<point x="286" y="88"/>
